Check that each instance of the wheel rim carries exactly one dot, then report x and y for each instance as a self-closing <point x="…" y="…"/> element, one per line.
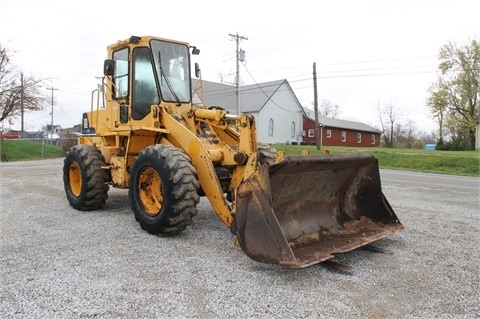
<point x="75" y="179"/>
<point x="150" y="191"/>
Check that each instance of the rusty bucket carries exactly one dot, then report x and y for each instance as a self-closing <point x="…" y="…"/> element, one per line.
<point x="305" y="209"/>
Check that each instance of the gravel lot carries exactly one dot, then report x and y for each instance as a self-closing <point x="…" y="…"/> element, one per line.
<point x="60" y="263"/>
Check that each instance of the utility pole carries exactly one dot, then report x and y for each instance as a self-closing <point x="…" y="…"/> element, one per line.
<point x="22" y="98"/>
<point x="318" y="135"/>
<point x="238" y="38"/>
<point x="51" y="123"/>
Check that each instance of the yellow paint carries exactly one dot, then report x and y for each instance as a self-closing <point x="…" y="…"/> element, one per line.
<point x="75" y="179"/>
<point x="194" y="148"/>
<point x="150" y="191"/>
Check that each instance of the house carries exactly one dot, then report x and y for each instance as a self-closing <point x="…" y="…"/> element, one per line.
<point x="275" y="107"/>
<point x="76" y="130"/>
<point x="336" y="132"/>
<point x="57" y="129"/>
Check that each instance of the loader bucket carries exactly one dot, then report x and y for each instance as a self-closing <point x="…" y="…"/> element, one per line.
<point x="305" y="209"/>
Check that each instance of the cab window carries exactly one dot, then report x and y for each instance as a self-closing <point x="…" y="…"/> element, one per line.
<point x="120" y="77"/>
<point x="144" y="91"/>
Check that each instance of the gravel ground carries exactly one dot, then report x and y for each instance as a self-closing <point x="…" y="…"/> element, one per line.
<point x="60" y="263"/>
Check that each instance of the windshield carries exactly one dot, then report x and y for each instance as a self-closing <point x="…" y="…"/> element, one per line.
<point x="172" y="65"/>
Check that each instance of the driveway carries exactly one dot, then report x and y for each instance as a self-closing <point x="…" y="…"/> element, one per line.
<point x="57" y="262"/>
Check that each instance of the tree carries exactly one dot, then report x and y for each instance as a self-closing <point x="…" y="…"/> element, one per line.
<point x="18" y="93"/>
<point x="437" y="101"/>
<point x="328" y="109"/>
<point x="454" y="98"/>
<point x="387" y="116"/>
<point x="406" y="135"/>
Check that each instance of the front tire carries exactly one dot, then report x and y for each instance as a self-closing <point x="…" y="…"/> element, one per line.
<point x="84" y="179"/>
<point x="163" y="190"/>
<point x="266" y="154"/>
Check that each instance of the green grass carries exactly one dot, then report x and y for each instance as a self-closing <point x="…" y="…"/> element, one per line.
<point x="24" y="150"/>
<point x="444" y="162"/>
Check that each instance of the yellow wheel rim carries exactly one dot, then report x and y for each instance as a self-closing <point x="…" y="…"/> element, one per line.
<point x="150" y="191"/>
<point x="75" y="179"/>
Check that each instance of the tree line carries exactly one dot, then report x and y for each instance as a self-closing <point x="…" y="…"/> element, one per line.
<point x="454" y="98"/>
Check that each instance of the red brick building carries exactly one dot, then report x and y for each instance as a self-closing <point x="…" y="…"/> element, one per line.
<point x="336" y="132"/>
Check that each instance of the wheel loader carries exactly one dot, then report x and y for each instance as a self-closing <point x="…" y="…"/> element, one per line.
<point x="144" y="134"/>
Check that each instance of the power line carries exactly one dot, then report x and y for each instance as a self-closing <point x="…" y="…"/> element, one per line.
<point x="353" y="62"/>
<point x="381" y="60"/>
<point x="261" y="89"/>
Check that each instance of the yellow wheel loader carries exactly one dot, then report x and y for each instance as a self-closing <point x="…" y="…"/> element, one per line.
<point x="144" y="133"/>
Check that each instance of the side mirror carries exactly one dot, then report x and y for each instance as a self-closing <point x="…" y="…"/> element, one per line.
<point x="197" y="70"/>
<point x="108" y="67"/>
<point x="195" y="51"/>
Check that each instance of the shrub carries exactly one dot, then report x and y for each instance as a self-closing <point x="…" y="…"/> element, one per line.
<point x="455" y="145"/>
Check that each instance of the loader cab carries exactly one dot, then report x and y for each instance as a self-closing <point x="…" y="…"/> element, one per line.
<point x="146" y="72"/>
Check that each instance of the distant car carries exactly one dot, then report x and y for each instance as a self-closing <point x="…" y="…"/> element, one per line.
<point x="10" y="136"/>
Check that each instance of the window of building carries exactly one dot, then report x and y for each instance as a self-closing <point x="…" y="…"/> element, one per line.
<point x="311" y="132"/>
<point x="270" y="127"/>
<point x="329" y="133"/>
<point x="373" y="139"/>
<point x="359" y="137"/>
<point x="344" y="136"/>
<point x="292" y="129"/>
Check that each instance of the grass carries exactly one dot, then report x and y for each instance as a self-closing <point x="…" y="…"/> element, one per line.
<point x="25" y="150"/>
<point x="445" y="162"/>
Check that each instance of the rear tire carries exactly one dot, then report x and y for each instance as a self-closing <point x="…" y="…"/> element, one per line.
<point x="163" y="190"/>
<point x="84" y="179"/>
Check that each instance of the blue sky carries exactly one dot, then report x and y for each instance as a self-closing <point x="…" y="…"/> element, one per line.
<point x="366" y="52"/>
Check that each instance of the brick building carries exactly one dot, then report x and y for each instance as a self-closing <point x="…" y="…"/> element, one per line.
<point x="336" y="132"/>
